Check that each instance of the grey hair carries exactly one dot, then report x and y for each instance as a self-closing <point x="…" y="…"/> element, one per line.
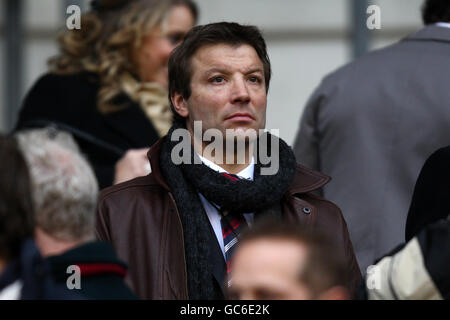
<point x="64" y="186"/>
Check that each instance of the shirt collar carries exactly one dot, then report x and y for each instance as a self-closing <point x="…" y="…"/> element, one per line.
<point x="443" y="24"/>
<point x="246" y="173"/>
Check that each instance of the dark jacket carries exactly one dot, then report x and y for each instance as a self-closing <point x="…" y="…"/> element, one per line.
<point x="141" y="221"/>
<point x="34" y="273"/>
<point x="101" y="273"/>
<point x="430" y="200"/>
<point x="70" y="100"/>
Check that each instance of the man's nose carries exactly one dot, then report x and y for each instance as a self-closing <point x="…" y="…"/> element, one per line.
<point x="240" y="92"/>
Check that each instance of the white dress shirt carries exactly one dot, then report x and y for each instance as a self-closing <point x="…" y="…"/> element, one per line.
<point x="213" y="215"/>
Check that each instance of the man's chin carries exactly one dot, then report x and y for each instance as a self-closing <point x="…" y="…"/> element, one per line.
<point x="241" y="134"/>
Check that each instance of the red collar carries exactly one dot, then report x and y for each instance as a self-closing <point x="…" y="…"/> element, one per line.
<point x="89" y="269"/>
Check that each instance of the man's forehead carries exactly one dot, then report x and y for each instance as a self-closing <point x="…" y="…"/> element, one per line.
<point x="272" y="256"/>
<point x="278" y="247"/>
<point x="217" y="57"/>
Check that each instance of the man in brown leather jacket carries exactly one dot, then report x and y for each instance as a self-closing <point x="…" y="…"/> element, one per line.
<point x="213" y="175"/>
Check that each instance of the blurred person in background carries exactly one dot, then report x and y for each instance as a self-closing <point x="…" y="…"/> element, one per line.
<point x="372" y="124"/>
<point x="108" y="85"/>
<point x="64" y="192"/>
<point x="23" y="272"/>
<point x="280" y="261"/>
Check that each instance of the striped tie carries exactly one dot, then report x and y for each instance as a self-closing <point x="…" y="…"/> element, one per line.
<point x="232" y="226"/>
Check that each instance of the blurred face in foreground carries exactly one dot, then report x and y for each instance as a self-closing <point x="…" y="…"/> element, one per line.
<point x="269" y="269"/>
<point x="272" y="269"/>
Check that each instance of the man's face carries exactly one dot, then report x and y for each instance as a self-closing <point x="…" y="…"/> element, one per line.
<point x="268" y="269"/>
<point x="228" y="89"/>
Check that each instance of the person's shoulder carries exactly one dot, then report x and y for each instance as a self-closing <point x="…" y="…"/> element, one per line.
<point x="306" y="180"/>
<point x="441" y="155"/>
<point x="47" y="82"/>
<point x="55" y="97"/>
<point x="55" y="87"/>
<point x="56" y="80"/>
<point x="437" y="165"/>
<point x="304" y="186"/>
<point x="134" y="188"/>
<point x="327" y="216"/>
<point x="325" y="206"/>
<point x="368" y="64"/>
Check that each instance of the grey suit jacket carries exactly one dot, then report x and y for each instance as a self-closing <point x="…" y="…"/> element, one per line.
<point x="371" y="125"/>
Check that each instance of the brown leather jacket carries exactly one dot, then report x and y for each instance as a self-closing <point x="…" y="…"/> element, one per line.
<point x="141" y="221"/>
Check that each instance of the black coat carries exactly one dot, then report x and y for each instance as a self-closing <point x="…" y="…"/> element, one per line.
<point x="70" y="102"/>
<point x="101" y="273"/>
<point x="35" y="274"/>
<point x="431" y="198"/>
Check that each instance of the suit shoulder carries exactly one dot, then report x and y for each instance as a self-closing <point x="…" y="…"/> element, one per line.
<point x="366" y="64"/>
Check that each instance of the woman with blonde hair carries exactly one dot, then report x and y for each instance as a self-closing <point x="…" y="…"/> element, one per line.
<point x="108" y="85"/>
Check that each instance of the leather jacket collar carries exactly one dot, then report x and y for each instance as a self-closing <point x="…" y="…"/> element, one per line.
<point x="306" y="180"/>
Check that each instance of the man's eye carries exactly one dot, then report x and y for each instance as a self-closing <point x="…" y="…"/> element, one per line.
<point x="218" y="79"/>
<point x="254" y="79"/>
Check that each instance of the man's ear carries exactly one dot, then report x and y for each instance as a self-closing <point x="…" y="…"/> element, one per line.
<point x="180" y="104"/>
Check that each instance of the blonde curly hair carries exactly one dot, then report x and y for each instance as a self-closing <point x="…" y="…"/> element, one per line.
<point x="110" y="34"/>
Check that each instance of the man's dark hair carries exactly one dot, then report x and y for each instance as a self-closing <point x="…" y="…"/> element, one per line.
<point x="436" y="11"/>
<point x="324" y="267"/>
<point x="234" y="34"/>
<point x="16" y="210"/>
